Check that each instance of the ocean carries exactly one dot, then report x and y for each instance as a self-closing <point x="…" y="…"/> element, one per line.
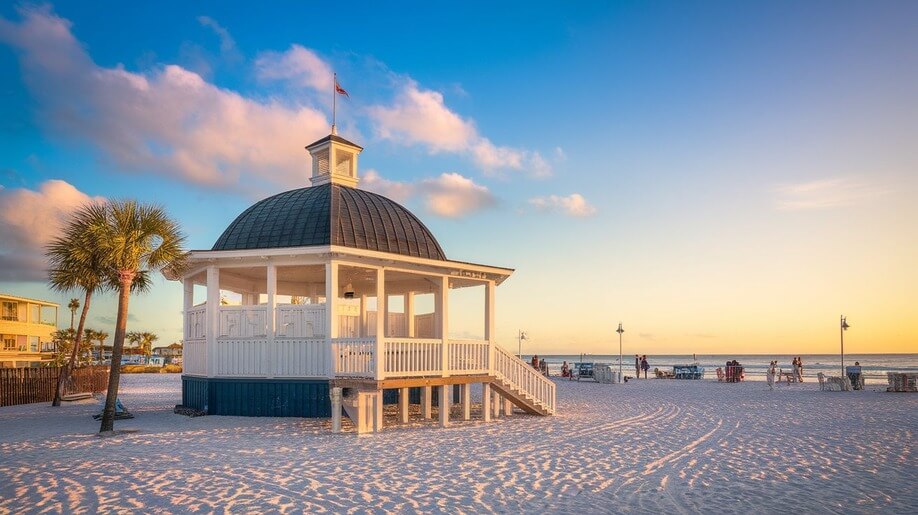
<point x="874" y="366"/>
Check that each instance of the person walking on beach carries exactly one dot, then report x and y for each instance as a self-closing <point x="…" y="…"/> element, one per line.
<point x="637" y="366"/>
<point x="799" y="369"/>
<point x="645" y="366"/>
<point x="770" y="374"/>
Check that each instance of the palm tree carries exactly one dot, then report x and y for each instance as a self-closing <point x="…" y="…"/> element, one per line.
<point x="136" y="239"/>
<point x="134" y="337"/>
<point x="146" y="343"/>
<point x="75" y="264"/>
<point x="101" y="336"/>
<point x="73" y="305"/>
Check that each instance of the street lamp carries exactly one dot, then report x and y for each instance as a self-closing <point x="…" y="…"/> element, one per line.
<point x="519" y="343"/>
<point x="843" y="324"/>
<point x="619" y="331"/>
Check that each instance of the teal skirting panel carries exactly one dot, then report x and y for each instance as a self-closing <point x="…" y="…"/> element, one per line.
<point x="257" y="397"/>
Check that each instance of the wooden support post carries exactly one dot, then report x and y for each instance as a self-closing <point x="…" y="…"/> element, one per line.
<point x="467" y="401"/>
<point x="403" y="405"/>
<point x="495" y="403"/>
<point x="444" y="404"/>
<point x="336" y="409"/>
<point x="485" y="401"/>
<point x="378" y="411"/>
<point x="508" y="407"/>
<point x="381" y="316"/>
<point x="426" y="401"/>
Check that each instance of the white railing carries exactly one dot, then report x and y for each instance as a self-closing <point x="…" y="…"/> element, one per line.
<point x="195" y="322"/>
<point x="468" y="357"/>
<point x="241" y="357"/>
<point x="194" y="357"/>
<point x="412" y="357"/>
<point x="523" y="377"/>
<point x="301" y="320"/>
<point x="242" y="321"/>
<point x="353" y="357"/>
<point x="301" y="357"/>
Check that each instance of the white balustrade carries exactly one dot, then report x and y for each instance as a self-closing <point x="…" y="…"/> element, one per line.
<point x="301" y="320"/>
<point x="353" y="357"/>
<point x="525" y="378"/>
<point x="194" y="357"/>
<point x="412" y="357"/>
<point x="301" y="357"/>
<point x="241" y="357"/>
<point x="468" y="357"/>
<point x="195" y="322"/>
<point x="242" y="321"/>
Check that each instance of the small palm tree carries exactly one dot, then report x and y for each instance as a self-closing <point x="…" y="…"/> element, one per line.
<point x="101" y="336"/>
<point x="134" y="337"/>
<point x="76" y="264"/>
<point x="136" y="239"/>
<point x="146" y="343"/>
<point x="73" y="305"/>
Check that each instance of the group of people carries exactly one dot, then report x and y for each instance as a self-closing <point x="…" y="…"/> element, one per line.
<point x="640" y="363"/>
<point x="772" y="372"/>
<point x="540" y="365"/>
<point x="797" y="365"/>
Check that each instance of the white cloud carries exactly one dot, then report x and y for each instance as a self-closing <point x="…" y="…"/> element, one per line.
<point x="450" y="195"/>
<point x="227" y="44"/>
<point x="397" y="191"/>
<point x="420" y="117"/>
<point x="299" y="66"/>
<point x="29" y="220"/>
<point x="826" y="194"/>
<point x="572" y="205"/>
<point x="167" y="119"/>
<point x="453" y="196"/>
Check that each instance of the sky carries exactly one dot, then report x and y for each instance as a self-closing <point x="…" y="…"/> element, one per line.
<point x="720" y="177"/>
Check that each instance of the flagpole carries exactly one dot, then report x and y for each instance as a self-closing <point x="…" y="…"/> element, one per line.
<point x="334" y="102"/>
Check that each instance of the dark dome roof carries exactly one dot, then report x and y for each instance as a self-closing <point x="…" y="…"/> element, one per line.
<point x="330" y="214"/>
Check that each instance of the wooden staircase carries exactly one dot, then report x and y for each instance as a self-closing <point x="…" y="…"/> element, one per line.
<point x="524" y="386"/>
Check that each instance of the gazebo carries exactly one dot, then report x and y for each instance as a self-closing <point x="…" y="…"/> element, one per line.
<point x="325" y="297"/>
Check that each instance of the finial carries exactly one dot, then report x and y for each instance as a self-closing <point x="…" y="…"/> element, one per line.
<point x="334" y="130"/>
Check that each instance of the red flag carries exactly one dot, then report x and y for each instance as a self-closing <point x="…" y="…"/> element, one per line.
<point x="339" y="90"/>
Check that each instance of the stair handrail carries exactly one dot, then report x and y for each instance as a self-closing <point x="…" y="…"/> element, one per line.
<point x="528" y="380"/>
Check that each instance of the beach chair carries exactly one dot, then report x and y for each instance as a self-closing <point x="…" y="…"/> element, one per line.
<point x="822" y="381"/>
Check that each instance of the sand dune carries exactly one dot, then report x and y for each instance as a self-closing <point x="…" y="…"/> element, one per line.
<point x="646" y="446"/>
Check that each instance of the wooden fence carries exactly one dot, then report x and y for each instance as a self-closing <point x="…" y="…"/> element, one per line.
<point x="27" y="385"/>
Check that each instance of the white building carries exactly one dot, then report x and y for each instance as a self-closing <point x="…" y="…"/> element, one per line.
<point x="334" y="287"/>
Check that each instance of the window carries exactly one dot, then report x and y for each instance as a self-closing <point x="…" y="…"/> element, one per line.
<point x="9" y="311"/>
<point x="9" y="343"/>
<point x="33" y="344"/>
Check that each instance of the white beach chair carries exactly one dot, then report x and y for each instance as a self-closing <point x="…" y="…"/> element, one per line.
<point x="822" y="381"/>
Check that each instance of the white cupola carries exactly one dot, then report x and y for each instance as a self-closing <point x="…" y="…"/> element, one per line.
<point x="334" y="160"/>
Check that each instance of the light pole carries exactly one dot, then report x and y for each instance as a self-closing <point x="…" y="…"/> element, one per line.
<point x="843" y="326"/>
<point x="619" y="331"/>
<point x="519" y="343"/>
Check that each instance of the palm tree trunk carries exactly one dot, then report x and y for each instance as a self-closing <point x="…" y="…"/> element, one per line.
<point x="114" y="374"/>
<point x="77" y="340"/>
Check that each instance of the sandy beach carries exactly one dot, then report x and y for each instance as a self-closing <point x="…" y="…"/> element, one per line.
<point x="646" y="446"/>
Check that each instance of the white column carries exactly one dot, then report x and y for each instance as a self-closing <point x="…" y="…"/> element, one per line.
<point x="444" y="399"/>
<point x="378" y="411"/>
<point x="364" y="331"/>
<point x="466" y="401"/>
<point x="409" y="313"/>
<point x="381" y="316"/>
<point x="486" y="401"/>
<point x="271" y="318"/>
<point x="403" y="405"/>
<point x="443" y="319"/>
<point x="331" y="325"/>
<point x="489" y="333"/>
<point x="188" y="290"/>
<point x="426" y="395"/>
<point x="213" y="312"/>
<point x="336" y="409"/>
